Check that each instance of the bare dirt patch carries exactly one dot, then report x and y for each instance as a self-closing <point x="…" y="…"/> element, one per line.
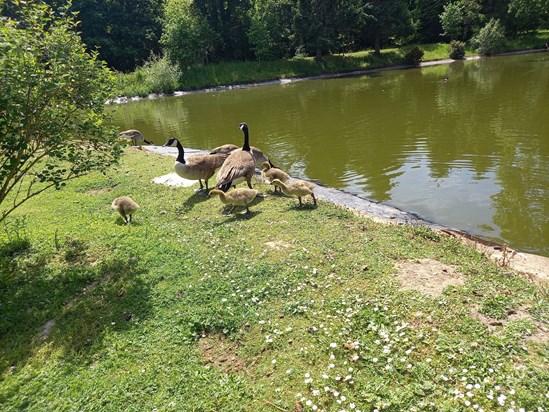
<point x="222" y="354"/>
<point x="540" y="333"/>
<point x="428" y="276"/>
<point x="99" y="192"/>
<point x="278" y="245"/>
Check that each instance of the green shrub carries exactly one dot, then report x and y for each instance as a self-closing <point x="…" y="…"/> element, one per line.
<point x="414" y="56"/>
<point x="490" y="39"/>
<point x="457" y="50"/>
<point x="161" y="75"/>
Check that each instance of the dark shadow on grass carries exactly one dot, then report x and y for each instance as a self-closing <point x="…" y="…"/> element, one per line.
<point x="192" y="201"/>
<point x="70" y="307"/>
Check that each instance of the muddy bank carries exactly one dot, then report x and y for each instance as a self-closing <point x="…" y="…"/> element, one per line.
<point x="533" y="267"/>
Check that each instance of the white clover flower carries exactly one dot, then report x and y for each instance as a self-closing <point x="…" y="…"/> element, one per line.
<point x="288" y="371"/>
<point x="333" y="345"/>
<point x="374" y="360"/>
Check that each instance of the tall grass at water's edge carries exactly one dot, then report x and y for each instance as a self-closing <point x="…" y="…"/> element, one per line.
<point x="155" y="77"/>
<point x="286" y="309"/>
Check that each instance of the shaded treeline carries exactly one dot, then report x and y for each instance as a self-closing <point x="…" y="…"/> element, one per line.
<point x="197" y="32"/>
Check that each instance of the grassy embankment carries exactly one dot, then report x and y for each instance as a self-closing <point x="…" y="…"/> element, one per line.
<point x="286" y="310"/>
<point x="137" y="83"/>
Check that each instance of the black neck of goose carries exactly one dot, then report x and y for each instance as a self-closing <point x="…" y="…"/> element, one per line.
<point x="181" y="152"/>
<point x="246" y="146"/>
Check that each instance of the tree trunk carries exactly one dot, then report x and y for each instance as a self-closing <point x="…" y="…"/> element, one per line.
<point x="377" y="44"/>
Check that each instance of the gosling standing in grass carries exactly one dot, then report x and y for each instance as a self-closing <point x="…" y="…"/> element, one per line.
<point x="236" y="197"/>
<point x="125" y="206"/>
<point x="270" y="173"/>
<point x="297" y="188"/>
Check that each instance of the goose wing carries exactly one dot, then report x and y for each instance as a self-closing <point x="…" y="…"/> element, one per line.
<point x="238" y="164"/>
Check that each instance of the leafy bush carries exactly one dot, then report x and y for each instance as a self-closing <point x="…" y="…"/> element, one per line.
<point x="53" y="126"/>
<point x="490" y="38"/>
<point x="457" y="50"/>
<point x="414" y="56"/>
<point x="161" y="75"/>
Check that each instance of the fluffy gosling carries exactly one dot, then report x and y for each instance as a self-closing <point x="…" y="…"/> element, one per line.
<point x="236" y="197"/>
<point x="297" y="188"/>
<point x="271" y="173"/>
<point x="126" y="206"/>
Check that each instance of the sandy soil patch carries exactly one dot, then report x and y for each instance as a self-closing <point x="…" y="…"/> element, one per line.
<point x="221" y="353"/>
<point x="278" y="245"/>
<point x="428" y="276"/>
<point x="99" y="192"/>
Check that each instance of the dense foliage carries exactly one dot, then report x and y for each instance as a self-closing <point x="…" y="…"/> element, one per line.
<point x="52" y="106"/>
<point x="191" y="33"/>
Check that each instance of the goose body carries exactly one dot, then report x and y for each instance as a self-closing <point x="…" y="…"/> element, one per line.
<point x="271" y="173"/>
<point x="236" y="197"/>
<point x="298" y="188"/>
<point x="227" y="149"/>
<point x="197" y="167"/>
<point x="238" y="166"/>
<point x="126" y="206"/>
<point x="134" y="136"/>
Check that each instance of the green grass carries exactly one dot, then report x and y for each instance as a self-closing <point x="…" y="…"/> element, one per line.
<point x="231" y="73"/>
<point x="189" y="310"/>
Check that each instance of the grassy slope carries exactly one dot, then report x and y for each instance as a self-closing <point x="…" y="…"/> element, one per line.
<point x="131" y="301"/>
<point x="228" y="73"/>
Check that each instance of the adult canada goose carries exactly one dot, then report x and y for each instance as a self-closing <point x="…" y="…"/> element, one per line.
<point x="198" y="167"/>
<point x="270" y="172"/>
<point x="238" y="166"/>
<point x="297" y="188"/>
<point x="257" y="154"/>
<point x="134" y="136"/>
<point x="236" y="197"/>
<point x="125" y="206"/>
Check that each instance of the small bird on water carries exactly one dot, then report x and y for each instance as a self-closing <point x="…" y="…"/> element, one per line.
<point x="126" y="206"/>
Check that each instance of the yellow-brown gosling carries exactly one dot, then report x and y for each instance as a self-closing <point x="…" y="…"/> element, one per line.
<point x="297" y="188"/>
<point x="270" y="172"/>
<point x="238" y="166"/>
<point x="236" y="197"/>
<point x="198" y="167"/>
<point x="134" y="136"/>
<point x="126" y="206"/>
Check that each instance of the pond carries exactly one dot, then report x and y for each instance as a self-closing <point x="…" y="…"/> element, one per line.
<point x="465" y="145"/>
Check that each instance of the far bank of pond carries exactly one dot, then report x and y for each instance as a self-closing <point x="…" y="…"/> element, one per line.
<point x="462" y="144"/>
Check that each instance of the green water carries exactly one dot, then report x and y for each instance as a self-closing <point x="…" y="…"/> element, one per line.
<point x="471" y="152"/>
